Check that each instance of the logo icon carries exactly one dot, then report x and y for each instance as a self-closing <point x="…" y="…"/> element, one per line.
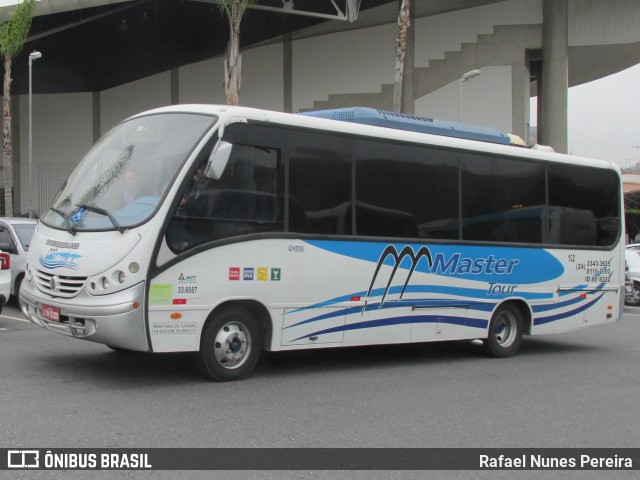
<point x="60" y="260"/>
<point x="275" y="274"/>
<point x="182" y="278"/>
<point x="77" y="217"/>
<point x="392" y="252"/>
<point x="234" y="273"/>
<point x="247" y="274"/>
<point x="23" y="459"/>
<point x="263" y="274"/>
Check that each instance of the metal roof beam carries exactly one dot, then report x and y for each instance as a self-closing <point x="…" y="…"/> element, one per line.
<point x="348" y="13"/>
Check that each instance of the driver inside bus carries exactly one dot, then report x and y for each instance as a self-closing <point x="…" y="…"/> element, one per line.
<point x="131" y="188"/>
<point x="195" y="202"/>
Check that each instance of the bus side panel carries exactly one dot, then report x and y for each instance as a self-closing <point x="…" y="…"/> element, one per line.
<point x="602" y="307"/>
<point x="424" y="292"/>
<point x="302" y="288"/>
<point x="587" y="294"/>
<point x="333" y="293"/>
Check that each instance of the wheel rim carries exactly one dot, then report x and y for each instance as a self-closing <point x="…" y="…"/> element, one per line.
<point x="505" y="329"/>
<point x="232" y="345"/>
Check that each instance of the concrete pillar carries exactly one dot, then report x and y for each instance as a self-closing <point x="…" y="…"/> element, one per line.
<point x="97" y="127"/>
<point x="175" y="86"/>
<point x="287" y="73"/>
<point x="520" y="99"/>
<point x="552" y="129"/>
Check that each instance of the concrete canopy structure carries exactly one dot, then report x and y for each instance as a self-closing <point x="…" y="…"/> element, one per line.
<point x="106" y="59"/>
<point x="99" y="44"/>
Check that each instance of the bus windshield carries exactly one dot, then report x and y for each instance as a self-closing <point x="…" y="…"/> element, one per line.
<point x="122" y="179"/>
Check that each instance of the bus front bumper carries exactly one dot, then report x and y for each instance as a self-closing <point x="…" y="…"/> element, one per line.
<point x="116" y="320"/>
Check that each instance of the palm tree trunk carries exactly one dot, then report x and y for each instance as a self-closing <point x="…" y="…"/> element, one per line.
<point x="232" y="68"/>
<point x="401" y="46"/>
<point x="7" y="148"/>
<point x="233" y="59"/>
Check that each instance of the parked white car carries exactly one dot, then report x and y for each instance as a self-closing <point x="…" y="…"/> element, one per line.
<point x="5" y="278"/>
<point x="15" y="236"/>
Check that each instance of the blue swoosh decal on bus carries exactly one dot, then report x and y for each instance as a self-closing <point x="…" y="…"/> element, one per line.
<point x="433" y="302"/>
<point x="386" y="322"/>
<point x="454" y="320"/>
<point x="485" y="264"/>
<point x="475" y="293"/>
<point x="560" y="316"/>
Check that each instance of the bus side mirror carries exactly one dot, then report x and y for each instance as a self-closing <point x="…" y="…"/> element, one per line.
<point x="218" y="159"/>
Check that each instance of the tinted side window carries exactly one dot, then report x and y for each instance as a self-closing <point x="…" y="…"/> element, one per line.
<point x="246" y="199"/>
<point x="583" y="205"/>
<point x="406" y="191"/>
<point x="5" y="237"/>
<point x="503" y="199"/>
<point x="319" y="184"/>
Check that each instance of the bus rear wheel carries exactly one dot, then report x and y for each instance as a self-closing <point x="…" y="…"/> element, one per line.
<point x="505" y="332"/>
<point x="231" y="345"/>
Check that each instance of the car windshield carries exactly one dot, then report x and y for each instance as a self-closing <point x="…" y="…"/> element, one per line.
<point x="122" y="179"/>
<point x="24" y="231"/>
<point x="632" y="257"/>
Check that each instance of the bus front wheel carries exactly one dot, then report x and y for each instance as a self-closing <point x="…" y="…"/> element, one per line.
<point x="231" y="345"/>
<point x="505" y="332"/>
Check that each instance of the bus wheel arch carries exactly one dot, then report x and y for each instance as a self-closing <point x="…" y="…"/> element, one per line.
<point x="232" y="340"/>
<point x="510" y="321"/>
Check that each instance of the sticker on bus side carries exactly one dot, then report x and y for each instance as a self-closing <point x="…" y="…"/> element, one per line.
<point x="160" y="294"/>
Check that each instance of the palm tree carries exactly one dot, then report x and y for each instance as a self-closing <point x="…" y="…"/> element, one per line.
<point x="13" y="33"/>
<point x="234" y="9"/>
<point x="404" y="23"/>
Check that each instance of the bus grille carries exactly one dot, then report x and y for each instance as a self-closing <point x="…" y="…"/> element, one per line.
<point x="59" y="285"/>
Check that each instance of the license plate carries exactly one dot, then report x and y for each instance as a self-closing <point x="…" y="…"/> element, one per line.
<point x="51" y="313"/>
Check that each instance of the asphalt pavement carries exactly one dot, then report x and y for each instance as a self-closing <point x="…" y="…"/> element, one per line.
<point x="578" y="389"/>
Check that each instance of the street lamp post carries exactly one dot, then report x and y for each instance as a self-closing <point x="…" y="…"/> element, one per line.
<point x="32" y="56"/>
<point x="467" y="76"/>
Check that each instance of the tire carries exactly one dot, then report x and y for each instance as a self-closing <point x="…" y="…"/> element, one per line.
<point x="231" y="345"/>
<point x="16" y="288"/>
<point x="635" y="301"/>
<point x="505" y="332"/>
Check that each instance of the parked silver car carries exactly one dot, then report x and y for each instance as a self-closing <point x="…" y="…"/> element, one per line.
<point x="632" y="261"/>
<point x="15" y="236"/>
<point x="5" y="278"/>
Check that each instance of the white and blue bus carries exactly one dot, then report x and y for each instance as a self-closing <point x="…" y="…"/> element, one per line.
<point x="227" y="231"/>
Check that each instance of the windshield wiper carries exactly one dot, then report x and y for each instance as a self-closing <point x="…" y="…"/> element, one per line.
<point x="102" y="211"/>
<point x="70" y="229"/>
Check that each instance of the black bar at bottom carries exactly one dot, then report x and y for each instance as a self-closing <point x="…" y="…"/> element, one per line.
<point x="320" y="459"/>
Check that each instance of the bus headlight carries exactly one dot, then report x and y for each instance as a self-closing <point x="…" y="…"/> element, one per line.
<point x="114" y="280"/>
<point x="118" y="277"/>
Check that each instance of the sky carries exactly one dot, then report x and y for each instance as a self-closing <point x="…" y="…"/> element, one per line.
<point x="604" y="118"/>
